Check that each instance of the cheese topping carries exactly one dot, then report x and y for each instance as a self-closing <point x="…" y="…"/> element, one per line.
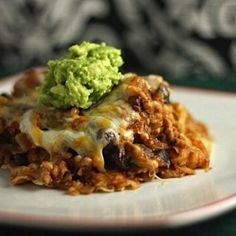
<point x="112" y="115"/>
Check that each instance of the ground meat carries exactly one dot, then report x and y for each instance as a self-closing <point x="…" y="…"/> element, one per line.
<point x="29" y="80"/>
<point x="166" y="142"/>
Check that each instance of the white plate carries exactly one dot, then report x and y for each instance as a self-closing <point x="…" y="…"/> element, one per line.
<point x="168" y="203"/>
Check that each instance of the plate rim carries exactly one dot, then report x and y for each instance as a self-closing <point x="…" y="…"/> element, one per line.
<point x="173" y="220"/>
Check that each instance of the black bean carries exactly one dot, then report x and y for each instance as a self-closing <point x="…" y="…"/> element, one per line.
<point x="109" y="136"/>
<point x="164" y="93"/>
<point x="116" y="157"/>
<point x="100" y="133"/>
<point x="137" y="138"/>
<point x="136" y="103"/>
<point x="164" y="155"/>
<point x="6" y="95"/>
<point x="2" y="125"/>
<point x="19" y="160"/>
<point x="148" y="151"/>
<point x="72" y="152"/>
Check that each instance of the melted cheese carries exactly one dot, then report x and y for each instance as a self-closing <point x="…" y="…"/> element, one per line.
<point x="113" y="114"/>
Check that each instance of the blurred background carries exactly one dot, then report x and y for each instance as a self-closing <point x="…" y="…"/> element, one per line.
<point x="190" y="42"/>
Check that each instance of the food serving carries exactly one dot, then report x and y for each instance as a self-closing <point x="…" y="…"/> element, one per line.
<point x="83" y="126"/>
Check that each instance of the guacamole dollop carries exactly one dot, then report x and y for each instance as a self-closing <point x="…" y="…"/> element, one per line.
<point x="82" y="77"/>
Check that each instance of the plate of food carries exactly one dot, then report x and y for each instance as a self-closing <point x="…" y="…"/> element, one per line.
<point x="85" y="147"/>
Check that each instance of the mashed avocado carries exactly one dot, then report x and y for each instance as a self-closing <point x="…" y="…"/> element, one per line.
<point x="82" y="77"/>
